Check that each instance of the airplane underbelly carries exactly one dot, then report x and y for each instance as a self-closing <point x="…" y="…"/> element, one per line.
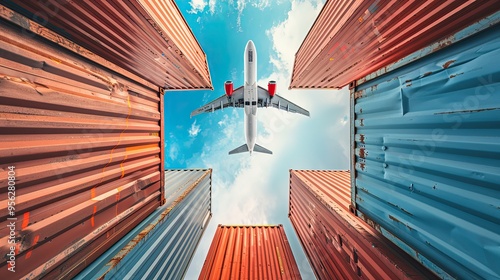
<point x="250" y="99"/>
<point x="250" y="129"/>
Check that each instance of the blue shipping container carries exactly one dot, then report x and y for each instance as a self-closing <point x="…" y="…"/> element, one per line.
<point x="426" y="152"/>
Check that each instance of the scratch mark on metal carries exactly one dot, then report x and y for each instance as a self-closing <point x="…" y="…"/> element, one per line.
<point x="467" y="111"/>
<point x="454" y="75"/>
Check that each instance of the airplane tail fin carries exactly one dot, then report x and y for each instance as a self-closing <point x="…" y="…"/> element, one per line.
<point x="241" y="149"/>
<point x="244" y="148"/>
<point x="260" y="149"/>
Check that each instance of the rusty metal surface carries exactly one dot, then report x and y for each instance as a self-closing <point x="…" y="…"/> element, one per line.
<point x="145" y="39"/>
<point x="250" y="252"/>
<point x="85" y="144"/>
<point x="427" y="154"/>
<point x="351" y="39"/>
<point x="170" y="235"/>
<point x="338" y="244"/>
<point x="321" y="181"/>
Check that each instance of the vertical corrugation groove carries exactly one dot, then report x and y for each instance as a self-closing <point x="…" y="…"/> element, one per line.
<point x="338" y="244"/>
<point x="250" y="252"/>
<point x="351" y="39"/>
<point x="236" y="262"/>
<point x="427" y="156"/>
<point x="85" y="145"/>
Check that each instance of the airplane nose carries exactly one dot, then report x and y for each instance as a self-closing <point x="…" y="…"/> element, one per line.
<point x="250" y="45"/>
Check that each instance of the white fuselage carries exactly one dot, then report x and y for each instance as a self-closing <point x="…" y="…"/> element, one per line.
<point x="250" y="95"/>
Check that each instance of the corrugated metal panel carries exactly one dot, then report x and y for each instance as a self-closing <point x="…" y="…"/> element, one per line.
<point x="86" y="146"/>
<point x="250" y="252"/>
<point x="148" y="39"/>
<point x="427" y="155"/>
<point x="162" y="246"/>
<point x="168" y="20"/>
<point x="351" y="39"/>
<point x="338" y="244"/>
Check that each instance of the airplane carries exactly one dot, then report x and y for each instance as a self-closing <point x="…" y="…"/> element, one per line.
<point x="250" y="96"/>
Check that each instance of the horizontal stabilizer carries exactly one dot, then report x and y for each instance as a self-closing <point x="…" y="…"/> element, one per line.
<point x="260" y="149"/>
<point x="241" y="149"/>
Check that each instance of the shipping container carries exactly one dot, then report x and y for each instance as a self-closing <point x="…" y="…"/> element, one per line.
<point x="351" y="39"/>
<point x="425" y="111"/>
<point x="81" y="138"/>
<point x="250" y="252"/>
<point x="338" y="244"/>
<point x="146" y="40"/>
<point x="426" y="152"/>
<point x="161" y="246"/>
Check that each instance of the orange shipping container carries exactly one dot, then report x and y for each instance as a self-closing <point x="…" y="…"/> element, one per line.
<point x="250" y="252"/>
<point x="351" y="39"/>
<point x="81" y="126"/>
<point x="147" y="41"/>
<point x="338" y="244"/>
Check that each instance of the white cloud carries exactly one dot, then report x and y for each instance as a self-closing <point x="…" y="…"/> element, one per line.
<point x="173" y="152"/>
<point x="234" y="74"/>
<point x="211" y="6"/>
<point x="261" y="5"/>
<point x="240" y="182"/>
<point x="206" y="97"/>
<point x="224" y="121"/>
<point x="289" y="34"/>
<point x="194" y="130"/>
<point x="197" y="6"/>
<point x="344" y="120"/>
<point x="242" y="4"/>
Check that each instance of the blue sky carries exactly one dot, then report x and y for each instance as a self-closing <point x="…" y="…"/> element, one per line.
<point x="254" y="189"/>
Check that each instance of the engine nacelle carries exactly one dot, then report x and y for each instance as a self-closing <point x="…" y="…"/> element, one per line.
<point x="271" y="88"/>
<point x="228" y="87"/>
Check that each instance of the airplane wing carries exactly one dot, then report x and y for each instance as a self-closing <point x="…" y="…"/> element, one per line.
<point x="236" y="100"/>
<point x="264" y="100"/>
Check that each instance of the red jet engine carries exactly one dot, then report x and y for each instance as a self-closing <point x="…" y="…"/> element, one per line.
<point x="271" y="88"/>
<point x="228" y="86"/>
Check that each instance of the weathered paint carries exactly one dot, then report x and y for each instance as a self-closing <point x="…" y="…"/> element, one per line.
<point x="162" y="246"/>
<point x="468" y="31"/>
<point x="85" y="144"/>
<point x="147" y="41"/>
<point x="250" y="252"/>
<point x="427" y="155"/>
<point x="351" y="39"/>
<point x="81" y="120"/>
<point x="338" y="244"/>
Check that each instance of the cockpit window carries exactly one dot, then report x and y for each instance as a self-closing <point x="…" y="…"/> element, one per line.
<point x="247" y="103"/>
<point x="250" y="56"/>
